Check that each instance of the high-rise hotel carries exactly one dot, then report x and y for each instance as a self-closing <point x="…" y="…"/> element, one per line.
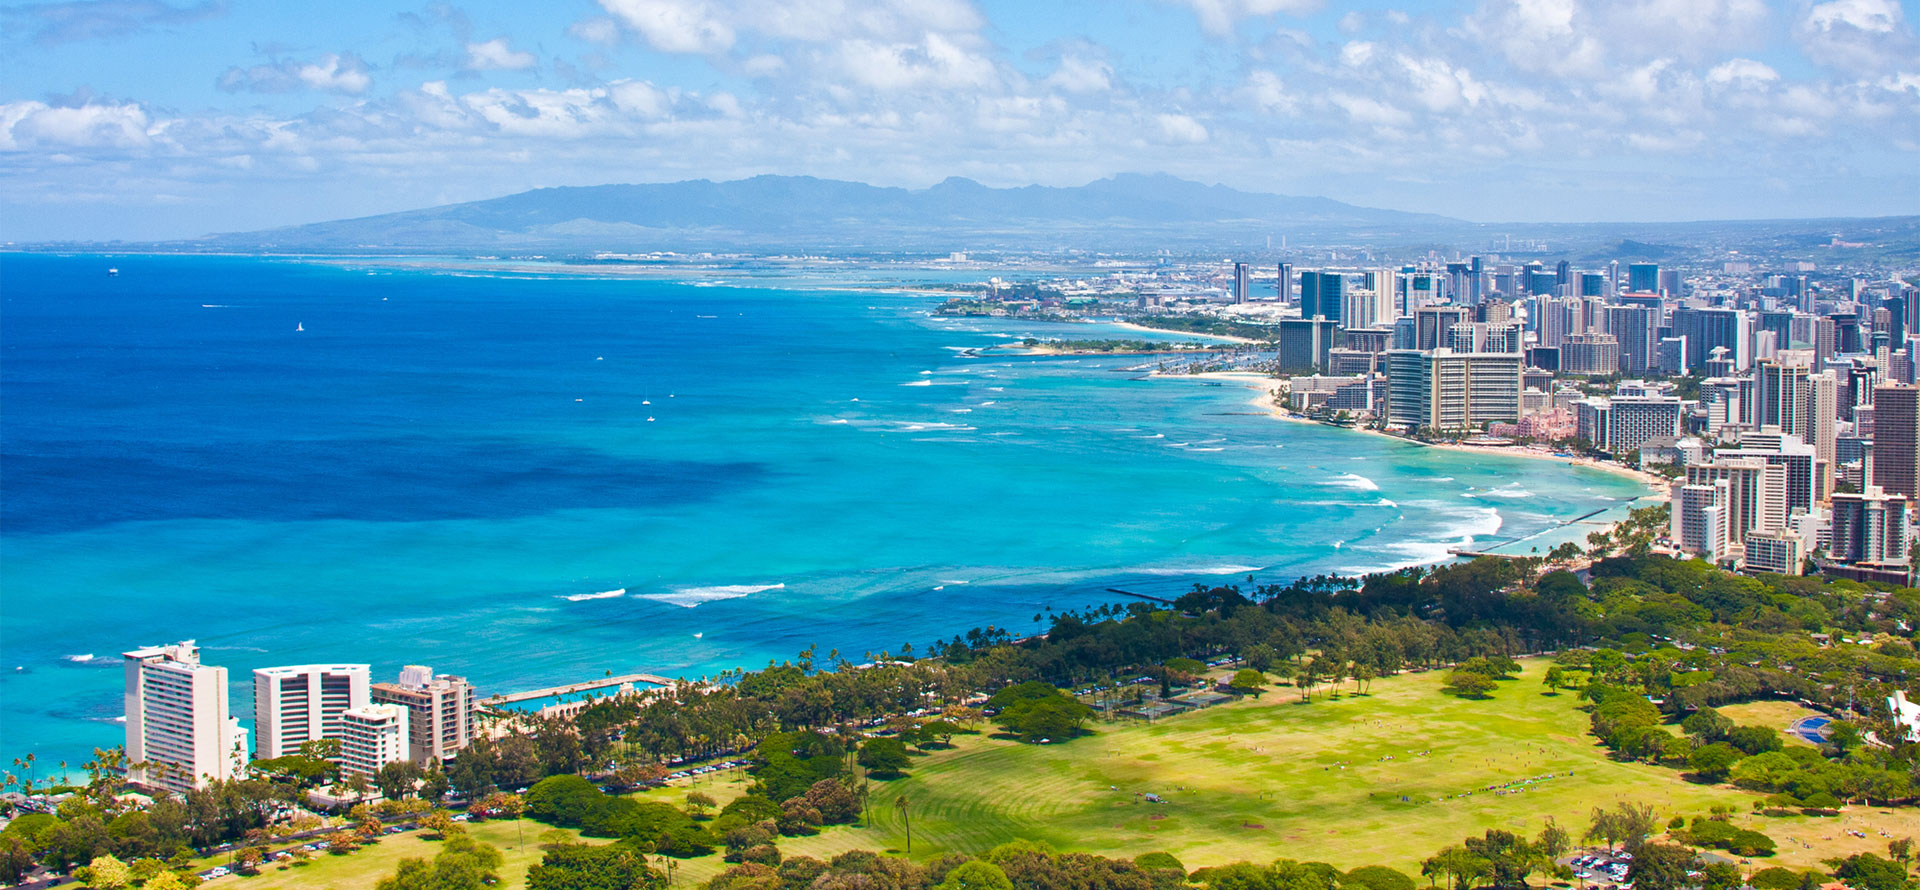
<point x="179" y="734"/>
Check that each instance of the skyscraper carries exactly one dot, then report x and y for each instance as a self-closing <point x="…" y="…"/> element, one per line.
<point x="1643" y="278"/>
<point x="1284" y="289"/>
<point x="1870" y="527"/>
<point x="1322" y="294"/>
<point x="179" y="734"/>
<point x="1896" y="439"/>
<point x="1240" y="284"/>
<point x="302" y="703"/>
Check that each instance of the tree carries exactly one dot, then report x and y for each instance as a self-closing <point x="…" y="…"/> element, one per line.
<point x="885" y="757"/>
<point x="107" y="873"/>
<point x="1456" y="864"/>
<point x="462" y="864"/>
<point x="166" y="880"/>
<point x="1248" y="681"/>
<point x="1714" y="762"/>
<point x="1555" y="680"/>
<point x="1554" y="841"/>
<point x="1468" y="684"/>
<point x="1865" y="871"/>
<point x="943" y="730"/>
<point x="1376" y="877"/>
<point x="976" y="875"/>
<point x="1510" y="858"/>
<point x="396" y="779"/>
<point x="583" y="867"/>
<point x="1626" y="824"/>
<point x="1662" y="867"/>
<point x="699" y="803"/>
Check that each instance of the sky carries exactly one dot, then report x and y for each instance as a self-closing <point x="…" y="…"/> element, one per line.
<point x="152" y="119"/>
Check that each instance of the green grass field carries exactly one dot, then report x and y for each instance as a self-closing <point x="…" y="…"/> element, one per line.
<point x="365" y="867"/>
<point x="1254" y="780"/>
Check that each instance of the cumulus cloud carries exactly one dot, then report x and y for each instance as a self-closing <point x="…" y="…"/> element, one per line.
<point x="55" y="23"/>
<point x="1081" y="75"/>
<point x="497" y="55"/>
<point x="343" y="73"/>
<point x="1585" y="38"/>
<point x="38" y="126"/>
<point x="601" y="30"/>
<point x="1218" y="17"/>
<point x="699" y="26"/>
<point x="1859" y="36"/>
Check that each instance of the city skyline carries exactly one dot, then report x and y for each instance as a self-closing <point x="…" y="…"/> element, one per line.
<point x="149" y="120"/>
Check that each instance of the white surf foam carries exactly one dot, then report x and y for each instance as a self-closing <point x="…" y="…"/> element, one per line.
<point x="1221" y="569"/>
<point x="1353" y="481"/>
<point x="690" y="597"/>
<point x="602" y="595"/>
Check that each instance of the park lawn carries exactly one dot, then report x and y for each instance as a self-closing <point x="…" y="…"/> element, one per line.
<point x="365" y="867"/>
<point x="1777" y="714"/>
<point x="1262" y="779"/>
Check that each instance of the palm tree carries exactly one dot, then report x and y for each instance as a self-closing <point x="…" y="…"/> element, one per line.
<point x="900" y="804"/>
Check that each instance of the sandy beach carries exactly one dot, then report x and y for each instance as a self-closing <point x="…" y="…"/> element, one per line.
<point x="1269" y="388"/>
<point x="1222" y="337"/>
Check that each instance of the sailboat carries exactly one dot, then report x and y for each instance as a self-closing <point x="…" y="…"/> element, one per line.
<point x="298" y="327"/>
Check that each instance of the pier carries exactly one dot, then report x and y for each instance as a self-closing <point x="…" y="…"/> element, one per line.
<point x="571" y="688"/>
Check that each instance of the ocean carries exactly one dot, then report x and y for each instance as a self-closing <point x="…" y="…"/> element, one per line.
<point x="531" y="478"/>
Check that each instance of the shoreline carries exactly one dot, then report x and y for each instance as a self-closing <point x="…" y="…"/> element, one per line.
<point x="1657" y="487"/>
<point x="1140" y="327"/>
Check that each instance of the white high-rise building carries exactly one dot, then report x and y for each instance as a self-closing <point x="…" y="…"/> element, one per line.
<point x="1698" y="524"/>
<point x="373" y="736"/>
<point x="297" y="704"/>
<point x="179" y="734"/>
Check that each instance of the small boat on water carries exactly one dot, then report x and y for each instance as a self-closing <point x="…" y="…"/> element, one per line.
<point x="299" y="327"/>
<point x="113" y="272"/>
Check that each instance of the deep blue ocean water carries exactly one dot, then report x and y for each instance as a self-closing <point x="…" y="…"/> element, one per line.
<point x="294" y="462"/>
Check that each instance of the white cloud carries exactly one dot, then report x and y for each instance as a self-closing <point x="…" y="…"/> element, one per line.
<point x="1865" y="37"/>
<point x="1219" y="17"/>
<point x="699" y="26"/>
<point x="1743" y="74"/>
<point x="1082" y="75"/>
<point x="343" y="73"/>
<point x="496" y="54"/>
<point x="675" y="26"/>
<point x="601" y="30"/>
<point x="38" y="126"/>
<point x="1181" y="128"/>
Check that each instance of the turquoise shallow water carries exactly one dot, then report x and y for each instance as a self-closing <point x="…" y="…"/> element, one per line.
<point x="458" y="468"/>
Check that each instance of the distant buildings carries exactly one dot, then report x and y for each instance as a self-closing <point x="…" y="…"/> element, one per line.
<point x="179" y="733"/>
<point x="1896" y="439"/>
<point x="1871" y="528"/>
<point x="1443" y="390"/>
<point x="1322" y="295"/>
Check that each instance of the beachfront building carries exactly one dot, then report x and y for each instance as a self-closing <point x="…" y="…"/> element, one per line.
<point x="440" y="709"/>
<point x="371" y="737"/>
<point x="297" y="704"/>
<point x="1305" y="344"/>
<point x="1754" y="499"/>
<point x="179" y="733"/>
<point x="1448" y="391"/>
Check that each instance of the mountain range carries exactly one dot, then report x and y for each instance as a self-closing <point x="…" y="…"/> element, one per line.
<point x="803" y="212"/>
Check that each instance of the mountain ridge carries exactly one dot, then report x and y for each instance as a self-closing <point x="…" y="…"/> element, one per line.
<point x="776" y="209"/>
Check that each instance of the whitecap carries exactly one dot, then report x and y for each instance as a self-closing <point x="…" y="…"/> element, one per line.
<point x="602" y="595"/>
<point x="690" y="597"/>
<point x="1155" y="436"/>
<point x="918" y="383"/>
<point x="1221" y="569"/>
<point x="1206" y="449"/>
<point x="1353" y="481"/>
